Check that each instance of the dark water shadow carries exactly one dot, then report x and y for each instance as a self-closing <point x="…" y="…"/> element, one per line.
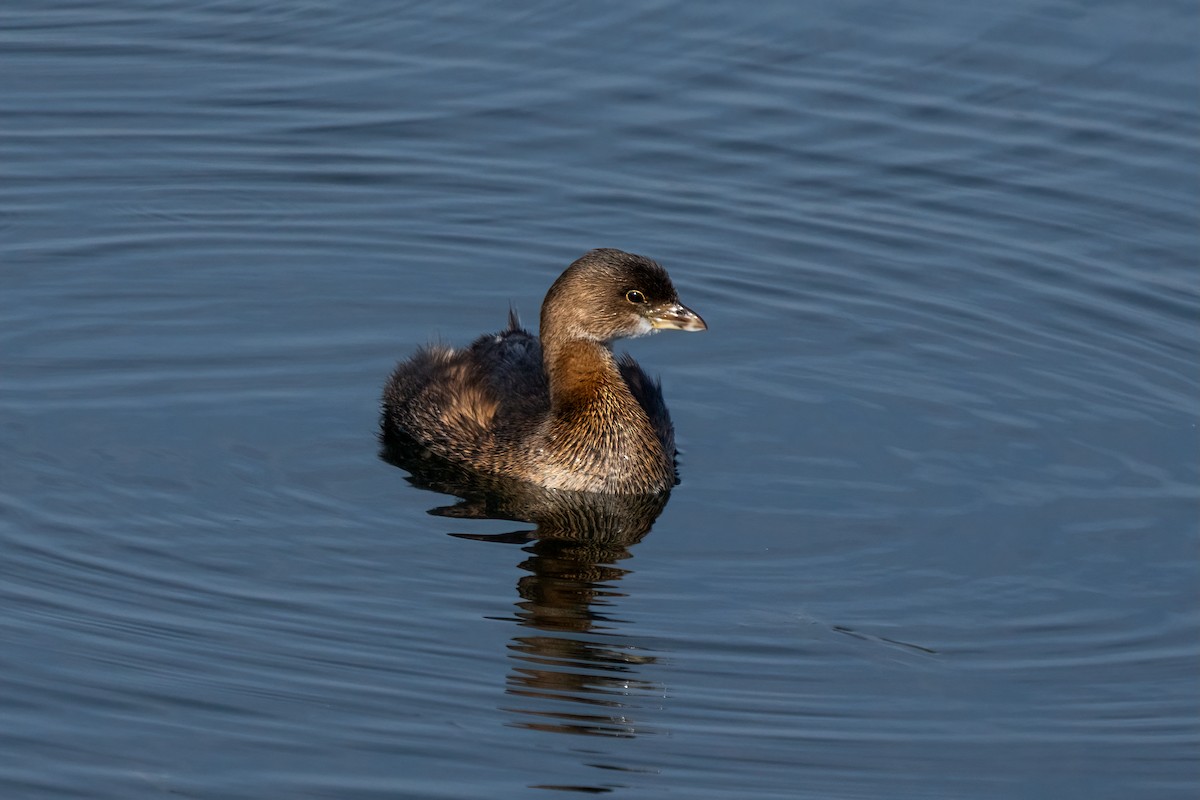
<point x="573" y="669"/>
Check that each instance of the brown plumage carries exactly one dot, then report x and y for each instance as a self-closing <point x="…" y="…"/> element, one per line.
<point x="560" y="411"/>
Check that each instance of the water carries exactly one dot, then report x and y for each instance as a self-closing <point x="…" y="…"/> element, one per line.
<point x="936" y="534"/>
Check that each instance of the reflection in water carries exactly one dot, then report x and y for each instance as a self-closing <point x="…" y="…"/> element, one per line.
<point x="572" y="672"/>
<point x="568" y="586"/>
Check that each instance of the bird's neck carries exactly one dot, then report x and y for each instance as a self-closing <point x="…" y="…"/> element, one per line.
<point x="583" y="375"/>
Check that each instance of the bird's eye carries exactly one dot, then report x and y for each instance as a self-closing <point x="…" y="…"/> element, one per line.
<point x="634" y="296"/>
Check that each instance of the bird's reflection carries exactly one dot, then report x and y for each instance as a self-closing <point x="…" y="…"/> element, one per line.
<point x="573" y="670"/>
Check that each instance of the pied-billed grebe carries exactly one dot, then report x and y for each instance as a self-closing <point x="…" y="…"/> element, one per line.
<point x="561" y="412"/>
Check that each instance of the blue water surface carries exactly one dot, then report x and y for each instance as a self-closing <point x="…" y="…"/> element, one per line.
<point x="937" y="530"/>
